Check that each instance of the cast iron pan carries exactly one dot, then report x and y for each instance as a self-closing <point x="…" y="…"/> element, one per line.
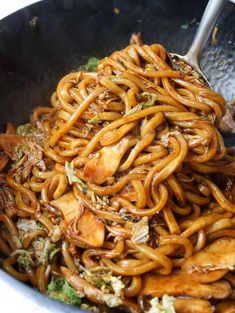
<point x="34" y="56"/>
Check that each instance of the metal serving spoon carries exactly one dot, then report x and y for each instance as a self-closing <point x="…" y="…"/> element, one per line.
<point x="209" y="18"/>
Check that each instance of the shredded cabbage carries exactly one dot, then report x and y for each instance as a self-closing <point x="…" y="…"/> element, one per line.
<point x="140" y="231"/>
<point x="71" y="174"/>
<point x="165" y="306"/>
<point x="24" y="259"/>
<point x="59" y="289"/>
<point x="91" y="65"/>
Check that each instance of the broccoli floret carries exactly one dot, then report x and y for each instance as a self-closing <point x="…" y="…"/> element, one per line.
<point x="59" y="289"/>
<point x="91" y="65"/>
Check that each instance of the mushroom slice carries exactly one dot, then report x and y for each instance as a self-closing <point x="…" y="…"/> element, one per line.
<point x="105" y="162"/>
<point x="182" y="284"/>
<point x="192" y="305"/>
<point x="8" y="143"/>
<point x="227" y="306"/>
<point x="218" y="255"/>
<point x="90" y="228"/>
<point x="69" y="206"/>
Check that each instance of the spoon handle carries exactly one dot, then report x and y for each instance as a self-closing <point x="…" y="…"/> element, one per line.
<point x="211" y="13"/>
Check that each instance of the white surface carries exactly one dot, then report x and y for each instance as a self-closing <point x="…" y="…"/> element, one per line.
<point x="9" y="6"/>
<point x="14" y="302"/>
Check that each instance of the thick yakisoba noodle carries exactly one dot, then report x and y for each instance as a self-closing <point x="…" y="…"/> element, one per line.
<point x="134" y="179"/>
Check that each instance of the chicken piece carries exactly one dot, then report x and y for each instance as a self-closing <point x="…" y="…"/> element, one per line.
<point x="9" y="142"/>
<point x="209" y="277"/>
<point x="10" y="129"/>
<point x="227" y="123"/>
<point x="182" y="284"/>
<point x="3" y="161"/>
<point x="226" y="306"/>
<point x="90" y="228"/>
<point x="130" y="306"/>
<point x="92" y="293"/>
<point x="105" y="162"/>
<point x="192" y="305"/>
<point x="69" y="206"/>
<point x="7" y="200"/>
<point x="218" y="255"/>
<point x="136" y="39"/>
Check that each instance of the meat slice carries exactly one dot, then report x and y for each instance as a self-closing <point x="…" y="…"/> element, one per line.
<point x="208" y="277"/>
<point x="136" y="39"/>
<point x="226" y="306"/>
<point x="68" y="205"/>
<point x="9" y="142"/>
<point x="91" y="229"/>
<point x="3" y="161"/>
<point x="106" y="162"/>
<point x="192" y="305"/>
<point x="7" y="199"/>
<point x="218" y="255"/>
<point x="182" y="284"/>
<point x="227" y="123"/>
<point x="87" y="227"/>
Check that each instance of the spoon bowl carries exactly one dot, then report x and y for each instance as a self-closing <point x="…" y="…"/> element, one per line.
<point x="182" y="63"/>
<point x="209" y="18"/>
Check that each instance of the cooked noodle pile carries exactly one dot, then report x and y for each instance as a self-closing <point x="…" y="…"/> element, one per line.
<point x="123" y="190"/>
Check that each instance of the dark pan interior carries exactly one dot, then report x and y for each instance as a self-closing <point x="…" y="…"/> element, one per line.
<point x="67" y="32"/>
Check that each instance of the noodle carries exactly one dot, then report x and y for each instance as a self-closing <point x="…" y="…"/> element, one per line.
<point x="124" y="178"/>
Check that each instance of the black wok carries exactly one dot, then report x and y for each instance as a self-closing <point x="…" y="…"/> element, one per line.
<point x="34" y="56"/>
